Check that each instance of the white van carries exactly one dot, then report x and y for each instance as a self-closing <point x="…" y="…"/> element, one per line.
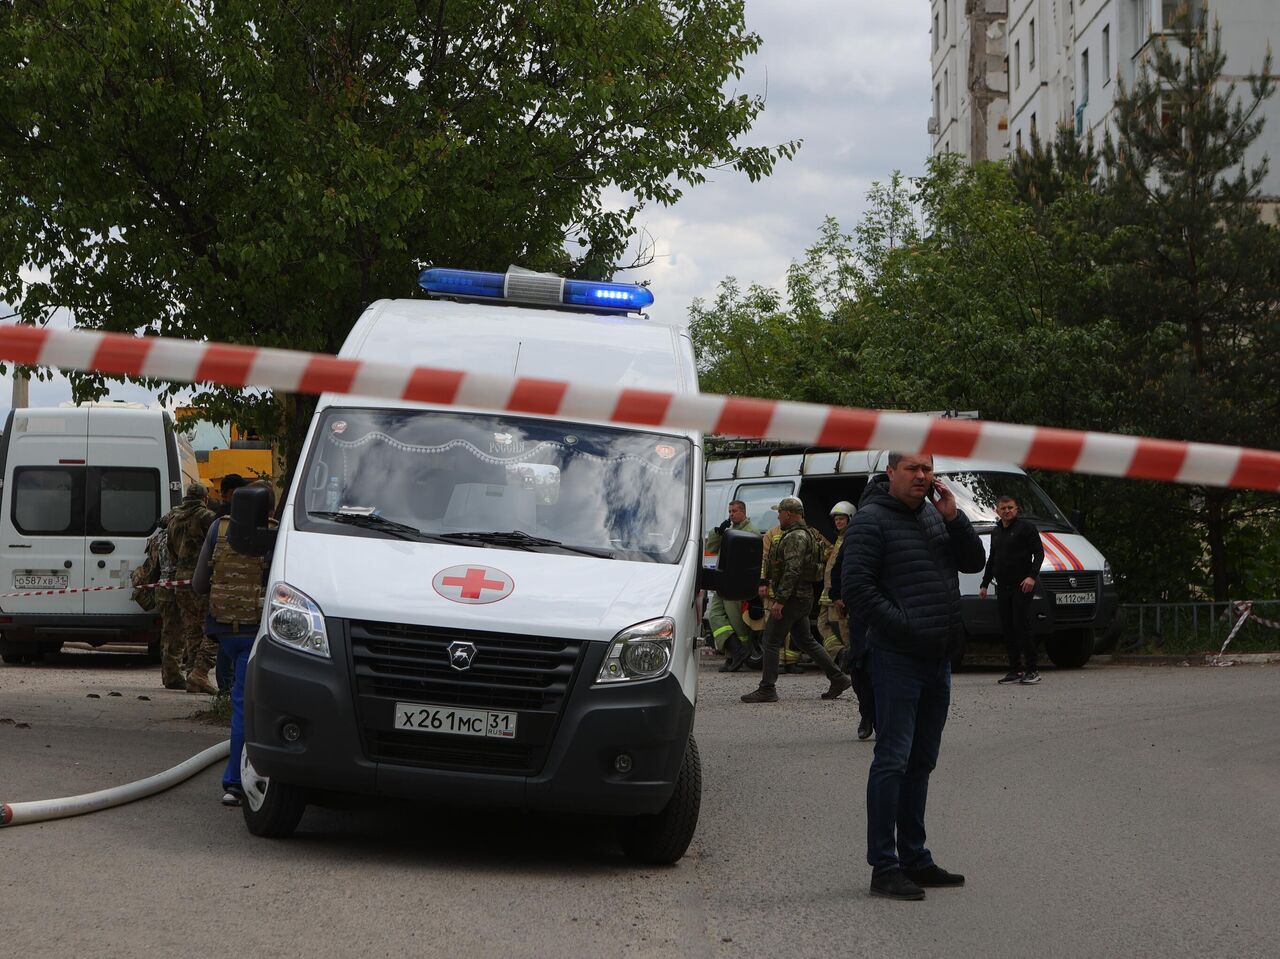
<point x="491" y="608"/>
<point x="1075" y="598"/>
<point x="83" y="488"/>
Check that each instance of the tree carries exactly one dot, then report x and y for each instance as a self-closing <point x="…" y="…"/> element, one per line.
<point x="1192" y="271"/>
<point x="258" y="172"/>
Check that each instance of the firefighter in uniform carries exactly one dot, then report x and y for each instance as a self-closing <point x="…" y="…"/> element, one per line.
<point x="833" y="627"/>
<point x="189" y="523"/>
<point x="731" y="634"/>
<point x="791" y="572"/>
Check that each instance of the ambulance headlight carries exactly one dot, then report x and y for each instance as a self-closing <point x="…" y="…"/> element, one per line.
<point x="1108" y="578"/>
<point x="294" y="620"/>
<point x="640" y="652"/>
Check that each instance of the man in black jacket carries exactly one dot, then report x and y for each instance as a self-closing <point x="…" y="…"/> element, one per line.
<point x="902" y="553"/>
<point x="1016" y="555"/>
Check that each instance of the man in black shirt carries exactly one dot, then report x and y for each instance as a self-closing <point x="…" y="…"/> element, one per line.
<point x="1016" y="555"/>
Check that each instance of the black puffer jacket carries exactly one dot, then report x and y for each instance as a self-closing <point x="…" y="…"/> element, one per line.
<point x="899" y="573"/>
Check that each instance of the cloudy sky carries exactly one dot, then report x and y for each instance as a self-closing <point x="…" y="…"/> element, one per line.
<point x="848" y="77"/>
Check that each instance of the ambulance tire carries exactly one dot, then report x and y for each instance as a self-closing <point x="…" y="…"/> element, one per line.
<point x="272" y="809"/>
<point x="15" y="653"/>
<point x="1070" y="649"/>
<point x="662" y="839"/>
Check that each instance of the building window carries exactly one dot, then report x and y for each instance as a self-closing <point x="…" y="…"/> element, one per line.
<point x="1031" y="44"/>
<point x="1018" y="138"/>
<point x="1033" y="128"/>
<point x="1017" y="64"/>
<point x="937" y="102"/>
<point x="945" y="18"/>
<point x="1169" y="10"/>
<point x="1084" y="77"/>
<point x="1106" y="55"/>
<point x="946" y="88"/>
<point x="936" y="36"/>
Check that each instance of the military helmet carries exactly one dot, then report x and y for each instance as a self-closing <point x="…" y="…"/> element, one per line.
<point x="843" y="508"/>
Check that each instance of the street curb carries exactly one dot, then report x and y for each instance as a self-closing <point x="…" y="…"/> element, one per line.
<point x="1194" y="659"/>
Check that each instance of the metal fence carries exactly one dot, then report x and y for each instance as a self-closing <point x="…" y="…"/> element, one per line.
<point x="1179" y="625"/>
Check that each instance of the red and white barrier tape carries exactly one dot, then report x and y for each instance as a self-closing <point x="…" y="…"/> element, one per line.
<point x="96" y="589"/>
<point x="810" y="424"/>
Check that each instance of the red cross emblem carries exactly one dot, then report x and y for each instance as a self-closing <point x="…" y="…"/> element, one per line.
<point x="472" y="585"/>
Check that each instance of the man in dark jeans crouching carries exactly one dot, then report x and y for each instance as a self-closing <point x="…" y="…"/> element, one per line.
<point x="899" y="576"/>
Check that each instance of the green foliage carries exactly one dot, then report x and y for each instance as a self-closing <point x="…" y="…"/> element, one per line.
<point x="259" y="172"/>
<point x="1129" y="289"/>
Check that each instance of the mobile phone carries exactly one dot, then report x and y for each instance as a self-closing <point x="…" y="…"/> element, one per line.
<point x="932" y="494"/>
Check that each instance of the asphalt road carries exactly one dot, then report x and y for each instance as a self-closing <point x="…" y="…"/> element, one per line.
<point x="1114" y="811"/>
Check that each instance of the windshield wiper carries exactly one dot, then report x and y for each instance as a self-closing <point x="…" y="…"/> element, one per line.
<point x="518" y="539"/>
<point x="369" y="521"/>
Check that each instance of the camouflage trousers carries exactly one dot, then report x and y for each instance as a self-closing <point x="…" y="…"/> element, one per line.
<point x="199" y="650"/>
<point x="834" y="629"/>
<point x="172" y="645"/>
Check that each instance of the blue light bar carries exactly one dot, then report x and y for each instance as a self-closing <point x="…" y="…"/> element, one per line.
<point x="519" y="286"/>
<point x="610" y="296"/>
<point x="463" y="283"/>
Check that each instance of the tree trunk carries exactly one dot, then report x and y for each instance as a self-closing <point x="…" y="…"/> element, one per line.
<point x="1215" y="522"/>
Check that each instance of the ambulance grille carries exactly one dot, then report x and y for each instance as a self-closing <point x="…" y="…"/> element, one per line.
<point x="528" y="675"/>
<point x="1069" y="582"/>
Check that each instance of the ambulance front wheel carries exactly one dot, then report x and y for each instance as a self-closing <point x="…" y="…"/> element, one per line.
<point x="661" y="839"/>
<point x="271" y="809"/>
<point x="1070" y="649"/>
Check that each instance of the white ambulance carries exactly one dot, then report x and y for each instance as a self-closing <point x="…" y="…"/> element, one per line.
<point x="479" y="607"/>
<point x="1075" y="597"/>
<point x="83" y="488"/>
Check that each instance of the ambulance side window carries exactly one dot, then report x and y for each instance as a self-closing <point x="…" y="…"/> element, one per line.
<point x="761" y="498"/>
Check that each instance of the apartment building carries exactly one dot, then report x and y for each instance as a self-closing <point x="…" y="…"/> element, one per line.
<point x="1064" y="61"/>
<point x="970" y="84"/>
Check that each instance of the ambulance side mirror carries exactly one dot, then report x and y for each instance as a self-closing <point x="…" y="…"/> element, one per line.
<point x="1077" y="520"/>
<point x="737" y="572"/>
<point x="249" y="532"/>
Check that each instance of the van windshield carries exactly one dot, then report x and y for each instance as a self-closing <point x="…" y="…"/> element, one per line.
<point x="976" y="495"/>
<point x="475" y="479"/>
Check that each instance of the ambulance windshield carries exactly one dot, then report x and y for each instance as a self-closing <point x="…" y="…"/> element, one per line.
<point x="977" y="493"/>
<point x="433" y="475"/>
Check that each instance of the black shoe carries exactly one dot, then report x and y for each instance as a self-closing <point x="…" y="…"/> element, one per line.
<point x="761" y="695"/>
<point x="738" y="658"/>
<point x="895" y="885"/>
<point x="1009" y="677"/>
<point x="933" y="875"/>
<point x="1030" y="678"/>
<point x="865" y="729"/>
<point x="839" y="683"/>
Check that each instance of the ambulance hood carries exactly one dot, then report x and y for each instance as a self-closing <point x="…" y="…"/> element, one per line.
<point x="461" y="587"/>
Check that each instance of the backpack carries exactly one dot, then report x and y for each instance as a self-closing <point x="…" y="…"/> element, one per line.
<point x="814" y="566"/>
<point x="149" y="571"/>
<point x="236" y="589"/>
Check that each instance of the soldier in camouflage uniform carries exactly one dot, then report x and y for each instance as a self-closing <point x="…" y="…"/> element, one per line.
<point x="792" y="590"/>
<point x="189" y="523"/>
<point x="171" y="641"/>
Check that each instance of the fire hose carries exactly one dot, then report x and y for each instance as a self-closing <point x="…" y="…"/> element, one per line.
<point x="40" y="810"/>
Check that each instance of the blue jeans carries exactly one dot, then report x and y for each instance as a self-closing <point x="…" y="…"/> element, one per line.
<point x="912" y="696"/>
<point x="237" y="648"/>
